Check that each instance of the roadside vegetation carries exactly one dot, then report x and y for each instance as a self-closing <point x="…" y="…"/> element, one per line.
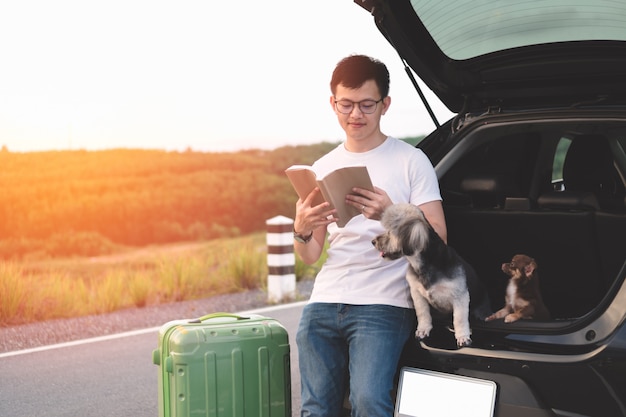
<point x="62" y="288"/>
<point x="93" y="232"/>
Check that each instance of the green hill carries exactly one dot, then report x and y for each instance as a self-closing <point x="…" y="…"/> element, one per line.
<point x="89" y="203"/>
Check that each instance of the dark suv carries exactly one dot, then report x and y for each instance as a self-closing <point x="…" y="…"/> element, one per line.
<point x="533" y="163"/>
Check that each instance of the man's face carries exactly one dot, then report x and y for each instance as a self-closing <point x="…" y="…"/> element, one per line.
<point x="358" y="125"/>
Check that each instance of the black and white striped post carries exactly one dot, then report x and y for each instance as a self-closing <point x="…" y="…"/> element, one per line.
<point x="281" y="261"/>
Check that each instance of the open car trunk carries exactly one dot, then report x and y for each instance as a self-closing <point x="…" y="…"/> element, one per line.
<point x="534" y="163"/>
<point x="550" y="187"/>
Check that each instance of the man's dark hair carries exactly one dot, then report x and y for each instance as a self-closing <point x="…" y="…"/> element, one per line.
<point x="353" y="71"/>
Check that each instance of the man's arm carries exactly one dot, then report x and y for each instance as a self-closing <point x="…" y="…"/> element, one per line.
<point x="311" y="251"/>
<point x="312" y="220"/>
<point x="433" y="211"/>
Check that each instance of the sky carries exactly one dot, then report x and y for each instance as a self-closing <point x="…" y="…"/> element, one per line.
<point x="206" y="75"/>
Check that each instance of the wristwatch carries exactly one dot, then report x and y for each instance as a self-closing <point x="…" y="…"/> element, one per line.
<point x="300" y="238"/>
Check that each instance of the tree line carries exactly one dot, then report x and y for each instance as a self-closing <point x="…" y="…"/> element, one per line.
<point x="87" y="203"/>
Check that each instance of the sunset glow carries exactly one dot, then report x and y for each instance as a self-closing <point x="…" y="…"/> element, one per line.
<point x="201" y="74"/>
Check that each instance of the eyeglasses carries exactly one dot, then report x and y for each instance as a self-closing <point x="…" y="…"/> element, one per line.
<point x="366" y="106"/>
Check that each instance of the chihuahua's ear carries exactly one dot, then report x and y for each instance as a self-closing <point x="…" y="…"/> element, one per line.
<point x="530" y="268"/>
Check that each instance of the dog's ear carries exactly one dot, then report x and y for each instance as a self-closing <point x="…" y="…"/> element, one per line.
<point x="530" y="268"/>
<point x="408" y="246"/>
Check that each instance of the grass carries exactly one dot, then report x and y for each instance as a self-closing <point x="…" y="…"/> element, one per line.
<point x="62" y="288"/>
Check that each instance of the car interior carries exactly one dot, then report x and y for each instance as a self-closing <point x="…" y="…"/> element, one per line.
<point x="555" y="192"/>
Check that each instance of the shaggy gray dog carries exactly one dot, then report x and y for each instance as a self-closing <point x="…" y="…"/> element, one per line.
<point x="437" y="275"/>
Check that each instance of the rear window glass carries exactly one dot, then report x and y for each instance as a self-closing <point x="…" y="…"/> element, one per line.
<point x="559" y="160"/>
<point x="466" y="29"/>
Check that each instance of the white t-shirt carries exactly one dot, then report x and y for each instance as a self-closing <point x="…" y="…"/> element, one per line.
<point x="354" y="272"/>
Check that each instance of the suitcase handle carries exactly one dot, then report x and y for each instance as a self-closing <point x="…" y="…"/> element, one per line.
<point x="217" y="315"/>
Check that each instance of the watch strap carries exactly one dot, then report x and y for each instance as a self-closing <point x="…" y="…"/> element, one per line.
<point x="301" y="238"/>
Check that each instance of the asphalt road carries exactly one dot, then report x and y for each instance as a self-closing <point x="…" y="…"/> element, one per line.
<point x="107" y="376"/>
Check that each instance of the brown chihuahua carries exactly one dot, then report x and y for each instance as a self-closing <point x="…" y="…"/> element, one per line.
<point x="523" y="298"/>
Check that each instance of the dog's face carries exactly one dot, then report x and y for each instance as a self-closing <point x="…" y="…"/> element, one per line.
<point x="406" y="231"/>
<point x="520" y="267"/>
<point x="388" y="246"/>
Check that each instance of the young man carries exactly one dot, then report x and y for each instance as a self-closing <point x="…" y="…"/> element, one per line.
<point x="360" y="314"/>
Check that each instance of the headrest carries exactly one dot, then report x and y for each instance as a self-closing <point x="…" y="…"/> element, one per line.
<point x="489" y="190"/>
<point x="588" y="164"/>
<point x="489" y="184"/>
<point x="569" y="200"/>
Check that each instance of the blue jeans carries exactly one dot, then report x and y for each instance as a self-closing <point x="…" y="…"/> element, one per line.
<point x="362" y="343"/>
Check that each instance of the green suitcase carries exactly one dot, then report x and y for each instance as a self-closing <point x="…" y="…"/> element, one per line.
<point x="224" y="365"/>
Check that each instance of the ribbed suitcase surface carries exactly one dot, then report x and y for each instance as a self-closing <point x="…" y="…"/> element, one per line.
<point x="223" y="365"/>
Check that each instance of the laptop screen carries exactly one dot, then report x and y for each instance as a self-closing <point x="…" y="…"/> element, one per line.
<point x="424" y="393"/>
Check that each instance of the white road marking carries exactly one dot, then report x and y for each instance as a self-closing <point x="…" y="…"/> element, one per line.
<point x="133" y="333"/>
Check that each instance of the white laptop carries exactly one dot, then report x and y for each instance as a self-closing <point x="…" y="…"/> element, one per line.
<point x="424" y="393"/>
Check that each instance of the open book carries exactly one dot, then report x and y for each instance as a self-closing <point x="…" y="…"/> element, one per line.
<point x="334" y="187"/>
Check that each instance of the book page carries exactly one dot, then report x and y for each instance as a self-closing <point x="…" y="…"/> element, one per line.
<point x="339" y="183"/>
<point x="303" y="180"/>
<point x="334" y="187"/>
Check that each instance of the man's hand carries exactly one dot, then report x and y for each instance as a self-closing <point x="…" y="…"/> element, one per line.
<point x="309" y="218"/>
<point x="371" y="204"/>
